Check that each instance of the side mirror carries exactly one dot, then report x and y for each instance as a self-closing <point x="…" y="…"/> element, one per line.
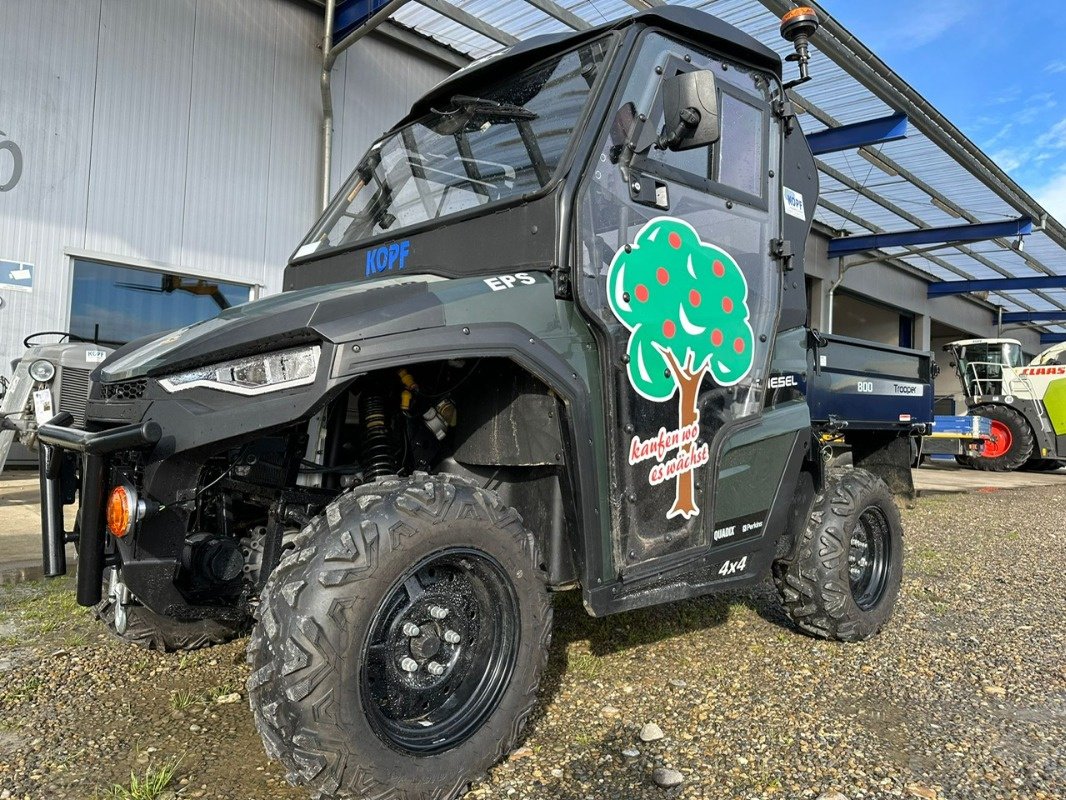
<point x="690" y="109"/>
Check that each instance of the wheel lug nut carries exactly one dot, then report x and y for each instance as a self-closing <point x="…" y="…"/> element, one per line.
<point x="451" y="637"/>
<point x="409" y="665"/>
<point x="410" y="629"/>
<point x="438" y="612"/>
<point x="433" y="668"/>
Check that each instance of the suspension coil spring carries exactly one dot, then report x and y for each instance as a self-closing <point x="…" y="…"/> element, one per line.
<point x="379" y="454"/>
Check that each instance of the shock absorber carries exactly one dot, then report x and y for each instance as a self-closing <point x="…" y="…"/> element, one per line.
<point x="379" y="455"/>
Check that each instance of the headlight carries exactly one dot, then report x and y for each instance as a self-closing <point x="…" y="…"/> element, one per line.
<point x="270" y="372"/>
<point x="42" y="371"/>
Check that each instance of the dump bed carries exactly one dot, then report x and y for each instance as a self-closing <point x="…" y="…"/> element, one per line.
<point x="859" y="385"/>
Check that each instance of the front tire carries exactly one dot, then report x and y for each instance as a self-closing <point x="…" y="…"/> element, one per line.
<point x="399" y="646"/>
<point x="845" y="578"/>
<point x="144" y="628"/>
<point x="1012" y="442"/>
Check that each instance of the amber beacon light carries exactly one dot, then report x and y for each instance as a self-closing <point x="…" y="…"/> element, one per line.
<point x="797" y="27"/>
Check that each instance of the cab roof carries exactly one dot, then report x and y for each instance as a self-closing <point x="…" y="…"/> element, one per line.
<point x="967" y="342"/>
<point x="699" y="26"/>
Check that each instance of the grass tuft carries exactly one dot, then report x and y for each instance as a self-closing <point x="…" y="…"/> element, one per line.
<point x="149" y="787"/>
<point x="212" y="694"/>
<point x="583" y="665"/>
<point x="182" y="699"/>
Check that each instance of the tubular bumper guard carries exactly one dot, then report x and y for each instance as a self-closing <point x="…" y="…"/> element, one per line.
<point x="94" y="447"/>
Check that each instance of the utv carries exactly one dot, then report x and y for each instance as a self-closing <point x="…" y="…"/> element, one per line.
<point x="550" y="335"/>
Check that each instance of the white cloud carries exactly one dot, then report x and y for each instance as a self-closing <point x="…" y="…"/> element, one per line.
<point x="1009" y="160"/>
<point x="1055" y="67"/>
<point x="1023" y="157"/>
<point x="1052" y="196"/>
<point x="1055" y="138"/>
<point x="917" y="23"/>
<point x="928" y="24"/>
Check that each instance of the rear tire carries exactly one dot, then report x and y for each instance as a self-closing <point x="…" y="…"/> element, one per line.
<point x="845" y="578"/>
<point x="1014" y="443"/>
<point x="343" y="687"/>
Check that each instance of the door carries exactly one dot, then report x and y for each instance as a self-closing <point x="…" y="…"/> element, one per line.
<point x="675" y="269"/>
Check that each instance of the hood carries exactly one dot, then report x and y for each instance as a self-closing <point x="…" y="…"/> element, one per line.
<point x="278" y="322"/>
<point x="337" y="313"/>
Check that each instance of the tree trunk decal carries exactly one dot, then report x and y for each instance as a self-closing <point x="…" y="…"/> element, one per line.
<point x="685" y="305"/>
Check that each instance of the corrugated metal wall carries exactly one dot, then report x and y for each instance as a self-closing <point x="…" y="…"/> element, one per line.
<point x="183" y="133"/>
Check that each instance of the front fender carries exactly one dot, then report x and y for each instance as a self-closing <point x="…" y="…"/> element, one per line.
<point x="547" y="337"/>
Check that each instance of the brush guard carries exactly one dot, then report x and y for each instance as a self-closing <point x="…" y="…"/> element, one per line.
<point x="94" y="448"/>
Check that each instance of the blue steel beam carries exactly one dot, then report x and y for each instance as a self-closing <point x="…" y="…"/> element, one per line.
<point x="1052" y="338"/>
<point x="350" y="14"/>
<point x="859" y="134"/>
<point x="955" y="234"/>
<point x="997" y="285"/>
<point x="1034" y="316"/>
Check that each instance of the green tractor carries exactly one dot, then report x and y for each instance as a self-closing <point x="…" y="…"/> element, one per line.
<point x="1026" y="404"/>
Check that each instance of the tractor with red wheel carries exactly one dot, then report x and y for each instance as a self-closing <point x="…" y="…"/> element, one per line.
<point x="1025" y="404"/>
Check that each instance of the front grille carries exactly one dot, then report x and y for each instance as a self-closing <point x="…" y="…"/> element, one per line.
<point x="73" y="393"/>
<point x="127" y="390"/>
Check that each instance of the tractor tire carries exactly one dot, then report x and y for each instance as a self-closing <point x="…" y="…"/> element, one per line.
<point x="151" y="631"/>
<point x="399" y="646"/>
<point x="1042" y="465"/>
<point x="1013" y="444"/>
<point x="964" y="461"/>
<point x="845" y="577"/>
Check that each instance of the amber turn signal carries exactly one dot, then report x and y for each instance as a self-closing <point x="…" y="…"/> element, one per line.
<point x="121" y="511"/>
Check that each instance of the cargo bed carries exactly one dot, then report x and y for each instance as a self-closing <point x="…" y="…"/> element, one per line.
<point x="856" y="385"/>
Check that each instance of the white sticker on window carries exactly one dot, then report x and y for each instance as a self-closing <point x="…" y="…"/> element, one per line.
<point x="794" y="204"/>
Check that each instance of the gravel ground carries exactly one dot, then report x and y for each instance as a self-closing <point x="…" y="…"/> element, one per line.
<point x="963" y="696"/>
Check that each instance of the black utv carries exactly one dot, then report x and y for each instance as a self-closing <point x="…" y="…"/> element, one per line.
<point x="550" y="335"/>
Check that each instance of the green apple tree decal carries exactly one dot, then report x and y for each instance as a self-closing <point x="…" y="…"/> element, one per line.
<point x="685" y="304"/>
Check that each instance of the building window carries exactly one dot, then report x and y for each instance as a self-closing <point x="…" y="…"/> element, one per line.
<point x="114" y="304"/>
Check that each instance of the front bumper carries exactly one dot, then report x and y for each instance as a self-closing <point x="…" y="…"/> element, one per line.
<point x="94" y="447"/>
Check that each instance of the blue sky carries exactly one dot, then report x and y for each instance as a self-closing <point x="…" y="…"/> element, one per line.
<point x="996" y="70"/>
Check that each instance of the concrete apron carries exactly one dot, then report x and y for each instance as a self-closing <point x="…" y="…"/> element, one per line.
<point x="20" y="528"/>
<point x="20" y="509"/>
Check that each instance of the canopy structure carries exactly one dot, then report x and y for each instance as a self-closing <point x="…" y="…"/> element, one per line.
<point x="898" y="179"/>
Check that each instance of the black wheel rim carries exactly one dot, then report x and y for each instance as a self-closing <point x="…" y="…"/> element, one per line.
<point x="441" y="651"/>
<point x="868" y="558"/>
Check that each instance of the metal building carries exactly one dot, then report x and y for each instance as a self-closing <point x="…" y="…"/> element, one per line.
<point x="160" y="159"/>
<point x="177" y="138"/>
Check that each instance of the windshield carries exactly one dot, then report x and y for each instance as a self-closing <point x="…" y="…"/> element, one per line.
<point x="471" y="150"/>
<point x="981" y="365"/>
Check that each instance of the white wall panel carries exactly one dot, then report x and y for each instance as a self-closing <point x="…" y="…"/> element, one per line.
<point x="227" y="176"/>
<point x="140" y="134"/>
<point x="295" y="125"/>
<point x="375" y="82"/>
<point x="47" y="53"/>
